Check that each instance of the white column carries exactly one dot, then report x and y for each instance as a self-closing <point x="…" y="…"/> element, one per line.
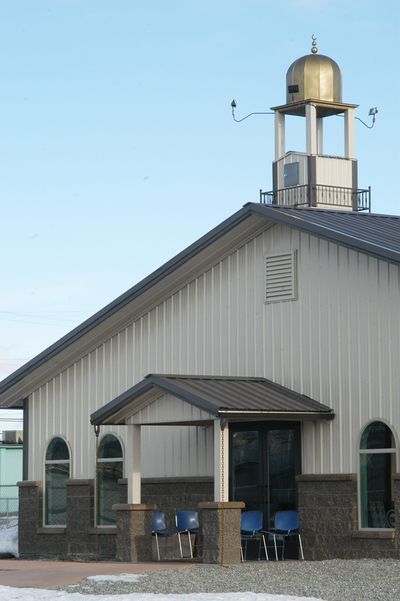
<point x="311" y="129"/>
<point x="133" y="463"/>
<point x="349" y="134"/>
<point x="221" y="462"/>
<point x="320" y="135"/>
<point x="279" y="135"/>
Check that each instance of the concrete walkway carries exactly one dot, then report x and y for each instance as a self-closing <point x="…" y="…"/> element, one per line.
<point x="50" y="574"/>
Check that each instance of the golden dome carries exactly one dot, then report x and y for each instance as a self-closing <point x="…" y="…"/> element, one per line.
<point x="318" y="77"/>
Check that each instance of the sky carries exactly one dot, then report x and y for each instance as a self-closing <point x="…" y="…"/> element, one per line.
<point x="117" y="144"/>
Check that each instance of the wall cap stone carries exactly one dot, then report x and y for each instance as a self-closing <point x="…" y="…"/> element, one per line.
<point x="133" y="507"/>
<point x="376" y="534"/>
<point x="29" y="483"/>
<point x="106" y="530"/>
<point x="79" y="482"/>
<point x="326" y="477"/>
<point x="221" y="505"/>
<point x="180" y="479"/>
<point x="51" y="530"/>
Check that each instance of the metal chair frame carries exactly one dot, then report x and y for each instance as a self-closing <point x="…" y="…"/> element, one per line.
<point x="251" y="529"/>
<point x="159" y="528"/>
<point x="286" y="525"/>
<point x="187" y="522"/>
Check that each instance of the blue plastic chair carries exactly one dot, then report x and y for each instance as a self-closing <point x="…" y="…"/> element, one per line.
<point x="251" y="525"/>
<point x="187" y="522"/>
<point x="159" y="528"/>
<point x="286" y="525"/>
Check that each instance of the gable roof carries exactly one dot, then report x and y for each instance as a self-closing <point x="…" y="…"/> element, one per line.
<point x="377" y="235"/>
<point x="218" y="395"/>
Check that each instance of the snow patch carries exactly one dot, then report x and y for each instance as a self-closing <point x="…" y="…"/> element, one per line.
<point x="9" y="540"/>
<point x="117" y="578"/>
<point x="8" y="593"/>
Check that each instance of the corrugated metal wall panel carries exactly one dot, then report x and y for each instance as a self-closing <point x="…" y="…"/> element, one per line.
<point x="337" y="343"/>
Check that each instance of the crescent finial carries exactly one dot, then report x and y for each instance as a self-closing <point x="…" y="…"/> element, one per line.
<point x="314" y="48"/>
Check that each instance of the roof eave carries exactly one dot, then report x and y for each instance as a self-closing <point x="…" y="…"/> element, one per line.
<point x="279" y="216"/>
<point x="110" y="309"/>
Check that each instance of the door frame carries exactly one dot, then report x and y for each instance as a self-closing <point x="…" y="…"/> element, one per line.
<point x="263" y="427"/>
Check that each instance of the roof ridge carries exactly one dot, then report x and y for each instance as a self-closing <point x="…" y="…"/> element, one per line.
<point x="362" y="214"/>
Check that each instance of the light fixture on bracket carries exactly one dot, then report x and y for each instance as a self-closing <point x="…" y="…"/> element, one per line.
<point x="234" y="105"/>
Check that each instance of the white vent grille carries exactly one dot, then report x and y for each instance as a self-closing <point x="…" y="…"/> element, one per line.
<point x="280" y="277"/>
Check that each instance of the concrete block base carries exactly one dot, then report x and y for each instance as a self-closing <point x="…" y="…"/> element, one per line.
<point x="134" y="540"/>
<point x="220" y="532"/>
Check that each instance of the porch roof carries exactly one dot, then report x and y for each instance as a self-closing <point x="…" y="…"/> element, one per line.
<point x="232" y="398"/>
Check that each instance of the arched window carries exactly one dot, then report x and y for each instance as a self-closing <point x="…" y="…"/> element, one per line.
<point x="57" y="468"/>
<point x="109" y="471"/>
<point x="377" y="464"/>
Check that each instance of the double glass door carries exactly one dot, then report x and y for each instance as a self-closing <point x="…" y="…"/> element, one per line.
<point x="265" y="459"/>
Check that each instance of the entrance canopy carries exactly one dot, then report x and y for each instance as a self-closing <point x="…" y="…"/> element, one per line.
<point x="175" y="400"/>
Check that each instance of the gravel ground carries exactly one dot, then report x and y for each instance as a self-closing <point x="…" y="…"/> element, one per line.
<point x="333" y="580"/>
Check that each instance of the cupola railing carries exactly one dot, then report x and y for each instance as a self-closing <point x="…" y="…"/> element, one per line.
<point x="319" y="195"/>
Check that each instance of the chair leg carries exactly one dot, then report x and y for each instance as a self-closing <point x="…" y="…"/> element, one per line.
<point x="265" y="547"/>
<point x="241" y="552"/>
<point x="180" y="545"/>
<point x="190" y="545"/>
<point x="276" y="548"/>
<point x="301" y="547"/>
<point x="157" y="547"/>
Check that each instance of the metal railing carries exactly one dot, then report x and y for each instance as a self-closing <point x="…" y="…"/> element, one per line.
<point x="313" y="195"/>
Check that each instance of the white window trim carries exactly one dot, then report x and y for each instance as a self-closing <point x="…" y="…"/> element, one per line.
<point x="389" y="450"/>
<point x="106" y="460"/>
<point x="54" y="462"/>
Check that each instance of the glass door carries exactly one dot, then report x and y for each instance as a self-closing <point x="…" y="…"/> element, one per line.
<point x="265" y="459"/>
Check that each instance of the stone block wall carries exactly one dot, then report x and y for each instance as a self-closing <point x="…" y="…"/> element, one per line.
<point x="328" y="511"/>
<point x="79" y="539"/>
<point x="171" y="495"/>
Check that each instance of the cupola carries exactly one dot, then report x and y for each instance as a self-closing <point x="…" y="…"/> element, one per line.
<point x="315" y="76"/>
<point x="312" y="178"/>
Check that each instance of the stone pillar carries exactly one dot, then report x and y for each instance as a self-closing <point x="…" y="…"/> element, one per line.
<point x="220" y="532"/>
<point x="80" y="518"/>
<point x="29" y="516"/>
<point x="134" y="541"/>
<point x="327" y="506"/>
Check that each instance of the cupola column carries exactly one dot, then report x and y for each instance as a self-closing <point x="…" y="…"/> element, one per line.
<point x="279" y="135"/>
<point x="349" y="134"/>
<point x="320" y="135"/>
<point x="311" y="129"/>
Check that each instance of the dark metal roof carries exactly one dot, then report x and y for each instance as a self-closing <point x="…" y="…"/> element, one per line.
<point x="378" y="235"/>
<point x="219" y="395"/>
<point x="374" y="234"/>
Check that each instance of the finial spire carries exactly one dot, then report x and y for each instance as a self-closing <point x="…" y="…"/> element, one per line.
<point x="314" y="48"/>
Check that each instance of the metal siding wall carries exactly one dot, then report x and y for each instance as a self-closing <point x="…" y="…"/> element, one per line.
<point x="330" y="171"/>
<point x="338" y="344"/>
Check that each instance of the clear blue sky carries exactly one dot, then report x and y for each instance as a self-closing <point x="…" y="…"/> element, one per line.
<point x="117" y="146"/>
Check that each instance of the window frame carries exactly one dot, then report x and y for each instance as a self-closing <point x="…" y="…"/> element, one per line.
<point x="106" y="460"/>
<point x="393" y="451"/>
<point x="55" y="462"/>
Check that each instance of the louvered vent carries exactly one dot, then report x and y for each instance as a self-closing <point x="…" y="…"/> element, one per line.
<point x="280" y="277"/>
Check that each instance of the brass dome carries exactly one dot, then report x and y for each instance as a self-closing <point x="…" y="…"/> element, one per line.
<point x="318" y="77"/>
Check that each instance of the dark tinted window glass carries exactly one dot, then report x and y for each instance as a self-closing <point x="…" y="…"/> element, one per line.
<point x="56" y="494"/>
<point x="110" y="448"/>
<point x="57" y="450"/>
<point x="376" y="436"/>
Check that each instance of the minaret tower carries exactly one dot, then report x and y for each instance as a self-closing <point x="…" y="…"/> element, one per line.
<point x="314" y="91"/>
